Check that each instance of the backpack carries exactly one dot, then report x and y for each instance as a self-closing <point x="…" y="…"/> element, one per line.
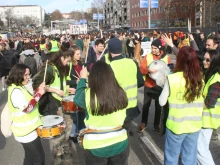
<point x="31" y="63"/>
<point x="10" y="59"/>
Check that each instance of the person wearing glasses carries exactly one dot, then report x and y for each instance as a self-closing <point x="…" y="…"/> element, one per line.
<point x="211" y="111"/>
<point x="23" y="106"/>
<point x="183" y="91"/>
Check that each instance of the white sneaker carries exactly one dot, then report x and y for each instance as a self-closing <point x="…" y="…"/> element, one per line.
<point x="3" y="89"/>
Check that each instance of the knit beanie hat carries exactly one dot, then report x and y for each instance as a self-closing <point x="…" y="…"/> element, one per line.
<point x="157" y="43"/>
<point x="114" y="46"/>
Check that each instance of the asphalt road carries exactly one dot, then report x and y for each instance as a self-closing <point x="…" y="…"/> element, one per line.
<point x="145" y="148"/>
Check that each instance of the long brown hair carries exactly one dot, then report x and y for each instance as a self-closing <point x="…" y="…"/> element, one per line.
<point x="187" y="62"/>
<point x="103" y="84"/>
<point x="56" y="60"/>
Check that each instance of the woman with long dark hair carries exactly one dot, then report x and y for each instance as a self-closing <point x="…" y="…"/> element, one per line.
<point x="105" y="103"/>
<point x="211" y="112"/>
<point x="25" y="116"/>
<point x="183" y="90"/>
<point x="57" y="71"/>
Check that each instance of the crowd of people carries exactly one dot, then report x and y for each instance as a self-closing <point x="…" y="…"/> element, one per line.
<point x="104" y="71"/>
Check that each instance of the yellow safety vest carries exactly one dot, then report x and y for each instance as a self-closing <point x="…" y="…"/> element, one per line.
<point x="54" y="47"/>
<point x="183" y="117"/>
<point x="211" y="117"/>
<point x="42" y="46"/>
<point x="125" y="71"/>
<point x="23" y="123"/>
<point x="110" y="121"/>
<point x="56" y="83"/>
<point x="107" y="58"/>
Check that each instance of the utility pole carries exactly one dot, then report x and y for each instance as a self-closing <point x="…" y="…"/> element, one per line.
<point x="149" y="12"/>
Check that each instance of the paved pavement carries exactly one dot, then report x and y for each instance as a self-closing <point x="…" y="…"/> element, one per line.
<point x="145" y="148"/>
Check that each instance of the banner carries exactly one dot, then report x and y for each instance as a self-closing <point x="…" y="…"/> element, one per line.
<point x="146" y="46"/>
<point x="78" y="29"/>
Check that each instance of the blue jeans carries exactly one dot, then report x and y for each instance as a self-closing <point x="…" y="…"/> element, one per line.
<point x="204" y="154"/>
<point x="78" y="122"/>
<point x="184" y="143"/>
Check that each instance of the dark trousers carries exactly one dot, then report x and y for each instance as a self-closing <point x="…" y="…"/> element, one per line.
<point x="120" y="159"/>
<point x="146" y="108"/>
<point x="34" y="153"/>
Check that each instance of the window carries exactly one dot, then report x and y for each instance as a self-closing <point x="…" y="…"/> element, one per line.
<point x="139" y="14"/>
<point x="142" y="13"/>
<point x="146" y="12"/>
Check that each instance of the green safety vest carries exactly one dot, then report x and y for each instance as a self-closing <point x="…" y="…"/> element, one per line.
<point x="150" y="59"/>
<point x="42" y="46"/>
<point x="125" y="71"/>
<point x="211" y="117"/>
<point x="23" y="123"/>
<point x="183" y="117"/>
<point x="107" y="59"/>
<point x="54" y="47"/>
<point x="110" y="121"/>
<point x="56" y="83"/>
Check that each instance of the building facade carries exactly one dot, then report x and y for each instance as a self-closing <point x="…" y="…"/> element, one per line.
<point x="116" y="14"/>
<point x="21" y="11"/>
<point x="170" y="13"/>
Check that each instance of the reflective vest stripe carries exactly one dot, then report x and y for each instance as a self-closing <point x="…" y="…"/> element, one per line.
<point x="100" y="128"/>
<point x="130" y="87"/>
<point x="132" y="98"/>
<point x="25" y="124"/>
<point x="186" y="105"/>
<point x="104" y="136"/>
<point x="211" y="115"/>
<point x="185" y="118"/>
<point x="16" y="114"/>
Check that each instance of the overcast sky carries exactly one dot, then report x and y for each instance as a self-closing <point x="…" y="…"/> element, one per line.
<point x="51" y="5"/>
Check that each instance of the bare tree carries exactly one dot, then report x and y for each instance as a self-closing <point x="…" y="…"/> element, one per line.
<point x="27" y="20"/>
<point x="56" y="15"/>
<point x="8" y="16"/>
<point x="98" y="5"/>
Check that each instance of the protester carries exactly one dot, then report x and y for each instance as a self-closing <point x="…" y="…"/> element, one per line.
<point x="105" y="103"/>
<point x="211" y="112"/>
<point x="23" y="106"/>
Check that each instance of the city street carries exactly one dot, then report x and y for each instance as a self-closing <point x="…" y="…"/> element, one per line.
<point x="145" y="148"/>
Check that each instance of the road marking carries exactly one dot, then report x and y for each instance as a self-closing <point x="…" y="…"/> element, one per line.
<point x="153" y="148"/>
